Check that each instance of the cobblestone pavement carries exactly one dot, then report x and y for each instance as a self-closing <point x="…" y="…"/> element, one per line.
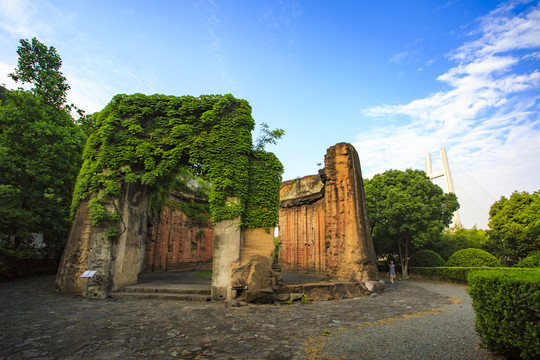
<point x="38" y="323"/>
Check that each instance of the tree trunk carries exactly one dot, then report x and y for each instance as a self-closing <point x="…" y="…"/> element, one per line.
<point x="405" y="267"/>
<point x="401" y="254"/>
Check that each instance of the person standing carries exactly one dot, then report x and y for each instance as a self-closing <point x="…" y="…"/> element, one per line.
<point x="392" y="271"/>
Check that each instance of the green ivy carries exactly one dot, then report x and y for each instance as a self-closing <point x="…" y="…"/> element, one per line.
<point x="156" y="140"/>
<point x="265" y="171"/>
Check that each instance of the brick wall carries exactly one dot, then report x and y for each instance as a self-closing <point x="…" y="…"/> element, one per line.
<point x="176" y="242"/>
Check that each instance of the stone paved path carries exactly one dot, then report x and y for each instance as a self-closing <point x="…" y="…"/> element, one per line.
<point x="38" y="323"/>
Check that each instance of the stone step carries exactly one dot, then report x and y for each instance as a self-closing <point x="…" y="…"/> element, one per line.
<point x="160" y="296"/>
<point x="197" y="289"/>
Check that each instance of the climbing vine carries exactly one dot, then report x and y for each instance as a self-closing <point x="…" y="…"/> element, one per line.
<point x="265" y="171"/>
<point x="152" y="140"/>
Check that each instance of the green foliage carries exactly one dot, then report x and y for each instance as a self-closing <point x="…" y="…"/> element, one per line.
<point x="305" y="299"/>
<point x="187" y="192"/>
<point x="276" y="248"/>
<point x="473" y="257"/>
<point x="426" y="258"/>
<point x="149" y="140"/>
<point x="40" y="66"/>
<point x="507" y="310"/>
<point x="450" y="241"/>
<point x="265" y="171"/>
<point x="40" y="155"/>
<point x="87" y="123"/>
<point x="531" y="261"/>
<point x="405" y="210"/>
<point x="454" y="274"/>
<point x="3" y="94"/>
<point x="515" y="226"/>
<point x="268" y="137"/>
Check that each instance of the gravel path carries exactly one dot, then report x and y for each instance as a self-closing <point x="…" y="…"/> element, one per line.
<point x="446" y="332"/>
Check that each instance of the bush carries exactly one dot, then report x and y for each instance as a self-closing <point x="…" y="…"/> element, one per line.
<point x="507" y="311"/>
<point x="426" y="258"/>
<point x="472" y="258"/>
<point x="531" y="261"/>
<point x="455" y="274"/>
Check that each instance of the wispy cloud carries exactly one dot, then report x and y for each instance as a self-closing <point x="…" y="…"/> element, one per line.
<point x="89" y="78"/>
<point x="487" y="118"/>
<point x="18" y="18"/>
<point x="214" y="45"/>
<point x="281" y="13"/>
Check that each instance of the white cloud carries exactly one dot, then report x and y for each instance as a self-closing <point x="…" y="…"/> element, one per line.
<point x="18" y="18"/>
<point x="5" y="80"/>
<point x="487" y="119"/>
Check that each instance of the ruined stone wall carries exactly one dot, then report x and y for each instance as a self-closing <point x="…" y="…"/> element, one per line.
<point x="302" y="225"/>
<point x="323" y="221"/>
<point x="116" y="262"/>
<point x="176" y="242"/>
<point x="75" y="257"/>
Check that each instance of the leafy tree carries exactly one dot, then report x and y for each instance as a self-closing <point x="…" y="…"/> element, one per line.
<point x="531" y="261"/>
<point x="267" y="137"/>
<point x="40" y="155"/>
<point x="405" y="210"/>
<point x="448" y="242"/>
<point x="87" y="123"/>
<point x="515" y="226"/>
<point x="40" y="66"/>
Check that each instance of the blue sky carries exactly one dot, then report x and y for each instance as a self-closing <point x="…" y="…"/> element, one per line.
<point x="397" y="79"/>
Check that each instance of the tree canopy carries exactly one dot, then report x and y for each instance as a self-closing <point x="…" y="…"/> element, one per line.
<point x="405" y="208"/>
<point x="448" y="242"/>
<point x="40" y="66"/>
<point x="40" y="154"/>
<point x="515" y="226"/>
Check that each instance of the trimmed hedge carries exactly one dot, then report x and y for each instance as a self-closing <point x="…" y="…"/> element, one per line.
<point x="456" y="274"/>
<point x="426" y="258"/>
<point x="507" y="307"/>
<point x="472" y="257"/>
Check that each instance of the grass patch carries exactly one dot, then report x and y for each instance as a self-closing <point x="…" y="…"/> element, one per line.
<point x="204" y="274"/>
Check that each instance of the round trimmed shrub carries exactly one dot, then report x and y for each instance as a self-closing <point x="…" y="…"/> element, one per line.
<point x="531" y="261"/>
<point x="426" y="258"/>
<point x="472" y="258"/>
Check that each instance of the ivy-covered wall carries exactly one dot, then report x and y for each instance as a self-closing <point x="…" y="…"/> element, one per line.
<point x="150" y="140"/>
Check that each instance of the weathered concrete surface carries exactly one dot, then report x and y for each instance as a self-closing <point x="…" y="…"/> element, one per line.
<point x="325" y="291"/>
<point x="128" y="249"/>
<point x="176" y="242"/>
<point x="117" y="262"/>
<point x="227" y="242"/>
<point x="252" y="274"/>
<point x="75" y="257"/>
<point x="324" y="227"/>
<point x="38" y="323"/>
